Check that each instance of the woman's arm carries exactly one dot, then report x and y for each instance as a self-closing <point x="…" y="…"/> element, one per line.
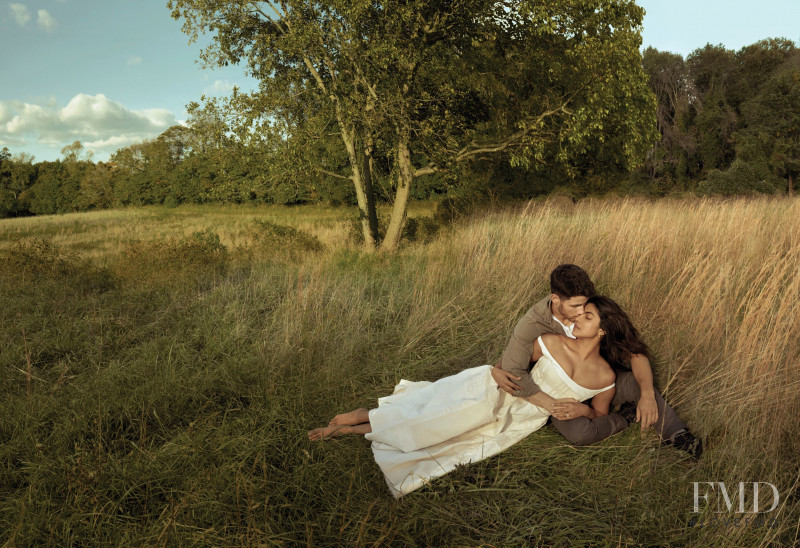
<point x="542" y="400"/>
<point x="601" y="403"/>
<point x="567" y="410"/>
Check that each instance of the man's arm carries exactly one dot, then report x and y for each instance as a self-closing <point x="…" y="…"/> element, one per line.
<point x="646" y="408"/>
<point x="504" y="379"/>
<point x="514" y="377"/>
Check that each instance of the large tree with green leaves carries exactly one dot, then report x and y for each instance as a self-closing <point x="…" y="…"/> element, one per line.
<point x="677" y="99"/>
<point x="428" y="84"/>
<point x="772" y="124"/>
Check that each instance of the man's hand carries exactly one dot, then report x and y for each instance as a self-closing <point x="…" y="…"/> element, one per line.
<point x="646" y="408"/>
<point x="568" y="409"/>
<point x="504" y="379"/>
<point x="646" y="411"/>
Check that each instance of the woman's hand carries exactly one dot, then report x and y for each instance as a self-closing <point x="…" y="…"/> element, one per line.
<point x="568" y="409"/>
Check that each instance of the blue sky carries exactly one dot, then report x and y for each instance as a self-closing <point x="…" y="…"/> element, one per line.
<point x="114" y="72"/>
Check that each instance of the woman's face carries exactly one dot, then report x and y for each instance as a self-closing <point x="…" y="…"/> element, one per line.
<point x="587" y="324"/>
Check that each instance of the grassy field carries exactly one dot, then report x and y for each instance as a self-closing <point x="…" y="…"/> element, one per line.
<point x="159" y="369"/>
<point x="102" y="235"/>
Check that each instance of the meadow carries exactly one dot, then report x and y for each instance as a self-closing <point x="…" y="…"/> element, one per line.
<point x="159" y="369"/>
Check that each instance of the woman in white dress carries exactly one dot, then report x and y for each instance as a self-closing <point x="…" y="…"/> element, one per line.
<point x="426" y="429"/>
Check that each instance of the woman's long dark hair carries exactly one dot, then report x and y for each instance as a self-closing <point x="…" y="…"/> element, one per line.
<point x="621" y="339"/>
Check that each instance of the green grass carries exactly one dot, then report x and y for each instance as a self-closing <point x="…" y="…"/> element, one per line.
<point x="158" y="391"/>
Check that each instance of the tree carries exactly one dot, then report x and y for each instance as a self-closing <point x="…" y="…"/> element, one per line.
<point x="710" y="67"/>
<point x="676" y="98"/>
<point x="429" y="84"/>
<point x="76" y="153"/>
<point x="77" y="164"/>
<point x="7" y="196"/>
<point x="772" y="124"/>
<point x="95" y="189"/>
<point x="754" y="64"/>
<point x="17" y="174"/>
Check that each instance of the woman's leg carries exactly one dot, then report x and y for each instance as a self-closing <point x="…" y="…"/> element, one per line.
<point x="330" y="431"/>
<point x="359" y="416"/>
<point x="354" y="422"/>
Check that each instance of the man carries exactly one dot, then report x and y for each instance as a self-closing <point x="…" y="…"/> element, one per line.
<point x="570" y="287"/>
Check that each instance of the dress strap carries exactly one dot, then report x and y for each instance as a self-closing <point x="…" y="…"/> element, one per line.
<point x="545" y="351"/>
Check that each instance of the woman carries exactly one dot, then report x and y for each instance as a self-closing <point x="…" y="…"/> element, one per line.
<point x="426" y="429"/>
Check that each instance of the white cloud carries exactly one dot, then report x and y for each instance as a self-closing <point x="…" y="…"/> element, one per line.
<point x="134" y="60"/>
<point x="5" y="113"/>
<point x="101" y="124"/>
<point x="20" y="14"/>
<point x="46" y="21"/>
<point x="219" y="87"/>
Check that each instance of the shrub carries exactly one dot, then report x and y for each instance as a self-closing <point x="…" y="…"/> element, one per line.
<point x="420" y="229"/>
<point x="456" y="207"/>
<point x="199" y="257"/>
<point x="274" y="240"/>
<point x="741" y="178"/>
<point x="37" y="260"/>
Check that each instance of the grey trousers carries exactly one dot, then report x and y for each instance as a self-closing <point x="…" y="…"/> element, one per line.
<point x="585" y="431"/>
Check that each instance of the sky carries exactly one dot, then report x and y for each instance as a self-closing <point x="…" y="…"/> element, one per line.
<point x="111" y="73"/>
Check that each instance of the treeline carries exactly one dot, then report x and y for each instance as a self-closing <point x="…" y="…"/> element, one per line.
<point x="186" y="164"/>
<point x="183" y="165"/>
<point x="729" y="123"/>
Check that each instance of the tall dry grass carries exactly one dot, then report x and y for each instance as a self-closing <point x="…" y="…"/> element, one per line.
<point x="164" y="400"/>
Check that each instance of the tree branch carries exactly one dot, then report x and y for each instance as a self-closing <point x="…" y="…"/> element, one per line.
<point x="281" y="17"/>
<point x="474" y="149"/>
<point x="332" y="174"/>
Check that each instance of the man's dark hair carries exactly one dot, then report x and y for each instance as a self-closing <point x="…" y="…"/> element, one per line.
<point x="569" y="280"/>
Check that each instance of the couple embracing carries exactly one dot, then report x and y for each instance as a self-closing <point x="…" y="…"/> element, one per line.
<point x="582" y="347"/>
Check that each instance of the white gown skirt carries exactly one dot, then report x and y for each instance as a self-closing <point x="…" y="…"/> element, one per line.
<point x="424" y="430"/>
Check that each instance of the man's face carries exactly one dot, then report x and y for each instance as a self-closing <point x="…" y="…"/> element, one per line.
<point x="568" y="308"/>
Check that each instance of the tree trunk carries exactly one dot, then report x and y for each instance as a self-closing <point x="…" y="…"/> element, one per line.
<point x="405" y="178"/>
<point x="364" y="203"/>
<point x="372" y="215"/>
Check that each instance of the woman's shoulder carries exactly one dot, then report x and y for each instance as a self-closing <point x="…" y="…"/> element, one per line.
<point x="551" y="340"/>
<point x="606" y="374"/>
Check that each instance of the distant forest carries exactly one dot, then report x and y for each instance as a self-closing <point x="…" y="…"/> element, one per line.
<point x="728" y="123"/>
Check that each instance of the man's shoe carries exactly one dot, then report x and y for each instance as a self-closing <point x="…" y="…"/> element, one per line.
<point x="628" y="411"/>
<point x="686" y="441"/>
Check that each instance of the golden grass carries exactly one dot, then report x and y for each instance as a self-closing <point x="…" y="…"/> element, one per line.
<point x="713" y="285"/>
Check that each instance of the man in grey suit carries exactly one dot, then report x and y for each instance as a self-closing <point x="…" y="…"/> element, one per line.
<point x="570" y="287"/>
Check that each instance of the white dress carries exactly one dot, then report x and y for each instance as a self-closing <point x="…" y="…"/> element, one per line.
<point x="426" y="429"/>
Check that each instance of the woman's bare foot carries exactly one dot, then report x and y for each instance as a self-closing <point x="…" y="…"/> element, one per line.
<point x="328" y="432"/>
<point x="359" y="416"/>
<point x="318" y="434"/>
